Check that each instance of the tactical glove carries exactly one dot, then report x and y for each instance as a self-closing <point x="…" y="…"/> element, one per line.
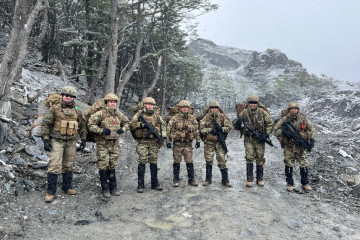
<point x="120" y="131"/>
<point x="82" y="144"/>
<point x="286" y="134"/>
<point x="197" y="144"/>
<point x="312" y="143"/>
<point x="264" y="137"/>
<point x="168" y="145"/>
<point x="106" y="131"/>
<point x="47" y="145"/>
<point x="238" y="124"/>
<point x="213" y="132"/>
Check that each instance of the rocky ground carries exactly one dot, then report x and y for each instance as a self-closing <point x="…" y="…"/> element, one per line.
<point x="331" y="211"/>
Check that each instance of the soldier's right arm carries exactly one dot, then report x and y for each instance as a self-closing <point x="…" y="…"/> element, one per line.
<point x="47" y="123"/>
<point x="203" y="129"/>
<point x="169" y="127"/>
<point x="94" y="120"/>
<point x="277" y="129"/>
<point x="134" y="123"/>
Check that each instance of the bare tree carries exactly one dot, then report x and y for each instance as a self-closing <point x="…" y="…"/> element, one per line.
<point x="16" y="50"/>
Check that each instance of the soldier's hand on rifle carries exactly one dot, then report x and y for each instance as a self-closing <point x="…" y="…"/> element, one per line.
<point x="197" y="144"/>
<point x="82" y="144"/>
<point x="120" y="131"/>
<point x="168" y="145"/>
<point x="238" y="123"/>
<point x="213" y="132"/>
<point x="106" y="131"/>
<point x="286" y="133"/>
<point x="264" y="137"/>
<point x="311" y="144"/>
<point x="47" y="145"/>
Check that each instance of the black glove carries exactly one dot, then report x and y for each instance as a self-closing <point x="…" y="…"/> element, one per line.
<point x="213" y="132"/>
<point x="238" y="123"/>
<point x="120" y="131"/>
<point x="312" y="143"/>
<point x="264" y="137"/>
<point x="197" y="144"/>
<point x="106" y="131"/>
<point x="168" y="145"/>
<point x="47" y="145"/>
<point x="82" y="144"/>
<point x="286" y="134"/>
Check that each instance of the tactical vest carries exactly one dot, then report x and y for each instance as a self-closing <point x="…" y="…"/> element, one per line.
<point x="257" y="121"/>
<point x="112" y="122"/>
<point x="301" y="125"/>
<point x="183" y="129"/>
<point x="140" y="133"/>
<point x="66" y="120"/>
<point x="208" y="124"/>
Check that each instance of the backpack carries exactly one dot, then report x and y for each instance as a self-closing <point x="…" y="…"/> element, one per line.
<point x="174" y="110"/>
<point x="97" y="106"/>
<point x="239" y="107"/>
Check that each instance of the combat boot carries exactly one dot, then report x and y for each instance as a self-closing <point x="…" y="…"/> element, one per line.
<point x="225" y="179"/>
<point x="67" y="183"/>
<point x="208" y="175"/>
<point x="191" y="174"/>
<point x="51" y="187"/>
<point x="304" y="179"/>
<point x="154" y="179"/>
<point x="141" y="176"/>
<point x="289" y="178"/>
<point x="249" y="174"/>
<point x="104" y="183"/>
<point x="259" y="175"/>
<point x="112" y="182"/>
<point x="176" y="170"/>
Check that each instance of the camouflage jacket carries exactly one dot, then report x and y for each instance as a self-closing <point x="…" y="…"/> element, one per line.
<point x="107" y="118"/>
<point x="47" y="129"/>
<point x="258" y="119"/>
<point x="182" y="128"/>
<point x="153" y="117"/>
<point x="206" y="124"/>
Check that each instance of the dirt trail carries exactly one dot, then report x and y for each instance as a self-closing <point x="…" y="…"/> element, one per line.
<point x="213" y="212"/>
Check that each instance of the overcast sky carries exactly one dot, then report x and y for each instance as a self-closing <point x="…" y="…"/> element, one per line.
<point x="324" y="35"/>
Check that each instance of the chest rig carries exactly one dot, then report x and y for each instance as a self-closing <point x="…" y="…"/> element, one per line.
<point x="66" y="121"/>
<point x="183" y="128"/>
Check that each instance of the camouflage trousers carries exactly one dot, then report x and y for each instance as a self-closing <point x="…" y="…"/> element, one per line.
<point x="147" y="149"/>
<point x="294" y="154"/>
<point x="254" y="151"/>
<point x="210" y="148"/>
<point x="62" y="156"/>
<point x="181" y="149"/>
<point x="107" y="153"/>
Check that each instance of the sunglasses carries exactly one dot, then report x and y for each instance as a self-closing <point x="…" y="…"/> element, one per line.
<point x="253" y="102"/>
<point x="66" y="95"/>
<point x="213" y="107"/>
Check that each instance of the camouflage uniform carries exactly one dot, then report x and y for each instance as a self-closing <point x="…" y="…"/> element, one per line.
<point x="212" y="145"/>
<point x="261" y="121"/>
<point x="147" y="148"/>
<point x="182" y="129"/>
<point x="107" y="125"/>
<point x="60" y="129"/>
<point x="293" y="152"/>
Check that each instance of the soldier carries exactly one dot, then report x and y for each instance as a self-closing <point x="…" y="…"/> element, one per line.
<point x="182" y="129"/>
<point x="108" y="124"/>
<point x="59" y="130"/>
<point x="148" y="146"/>
<point x="260" y="121"/>
<point x="212" y="143"/>
<point x="292" y="151"/>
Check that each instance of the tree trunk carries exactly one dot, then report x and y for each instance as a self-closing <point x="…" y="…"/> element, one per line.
<point x="16" y="50"/>
<point x="155" y="80"/>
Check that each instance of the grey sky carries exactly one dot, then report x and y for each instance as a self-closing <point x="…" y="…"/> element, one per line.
<point x="324" y="35"/>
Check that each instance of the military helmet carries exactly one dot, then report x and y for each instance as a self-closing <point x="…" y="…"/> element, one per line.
<point x="294" y="105"/>
<point x="149" y="100"/>
<point x="67" y="90"/>
<point x="253" y="98"/>
<point x="111" y="97"/>
<point x="184" y="103"/>
<point x="214" y="104"/>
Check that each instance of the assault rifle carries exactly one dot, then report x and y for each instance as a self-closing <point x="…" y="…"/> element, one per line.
<point x="150" y="128"/>
<point x="220" y="135"/>
<point x="257" y="135"/>
<point x="295" y="135"/>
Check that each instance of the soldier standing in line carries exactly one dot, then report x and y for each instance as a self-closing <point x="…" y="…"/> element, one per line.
<point x="255" y="118"/>
<point x="292" y="150"/>
<point x="148" y="144"/>
<point x="108" y="124"/>
<point x="182" y="129"/>
<point x="212" y="143"/>
<point x="59" y="130"/>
